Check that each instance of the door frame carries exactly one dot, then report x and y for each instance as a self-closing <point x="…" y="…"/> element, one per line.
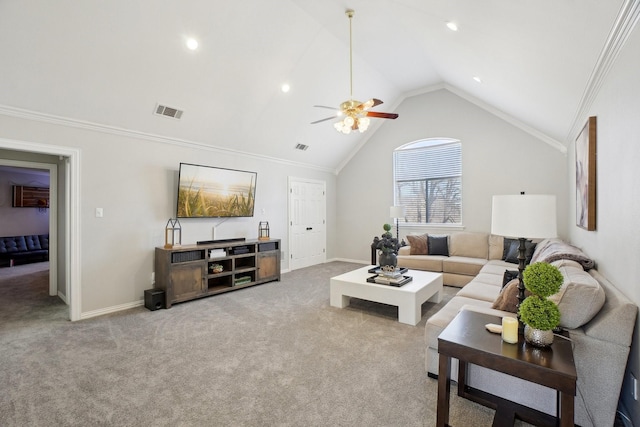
<point x="72" y="215"/>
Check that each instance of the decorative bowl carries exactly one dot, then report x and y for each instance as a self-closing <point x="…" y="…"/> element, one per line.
<point x="217" y="268"/>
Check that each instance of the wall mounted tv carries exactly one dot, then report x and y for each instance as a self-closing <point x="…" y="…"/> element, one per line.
<point x="211" y="192"/>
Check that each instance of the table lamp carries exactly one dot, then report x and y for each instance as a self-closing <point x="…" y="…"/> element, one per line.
<point x="524" y="217"/>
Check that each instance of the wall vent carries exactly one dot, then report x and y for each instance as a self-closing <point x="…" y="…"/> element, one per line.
<point x="163" y="110"/>
<point x="301" y="147"/>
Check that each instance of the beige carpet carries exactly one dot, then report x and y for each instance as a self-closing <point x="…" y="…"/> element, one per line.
<point x="271" y="355"/>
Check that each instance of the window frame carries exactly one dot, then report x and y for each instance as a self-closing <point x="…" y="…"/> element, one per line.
<point x="424" y="145"/>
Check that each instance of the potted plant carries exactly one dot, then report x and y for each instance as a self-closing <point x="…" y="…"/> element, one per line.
<point x="539" y="314"/>
<point x="387" y="248"/>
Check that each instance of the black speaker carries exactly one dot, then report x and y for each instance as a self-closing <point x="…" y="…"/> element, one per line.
<point x="154" y="299"/>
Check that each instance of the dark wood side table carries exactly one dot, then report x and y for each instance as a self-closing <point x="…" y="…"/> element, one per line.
<point x="467" y="340"/>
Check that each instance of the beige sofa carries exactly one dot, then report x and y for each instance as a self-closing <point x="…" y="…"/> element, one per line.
<point x="599" y="319"/>
<point x="468" y="253"/>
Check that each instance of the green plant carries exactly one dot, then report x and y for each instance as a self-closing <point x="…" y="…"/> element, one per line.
<point x="542" y="280"/>
<point x="539" y="313"/>
<point x="388" y="244"/>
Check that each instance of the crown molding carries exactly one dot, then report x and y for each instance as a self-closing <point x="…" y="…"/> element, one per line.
<point x="508" y="118"/>
<point x="625" y="22"/>
<point x="20" y="113"/>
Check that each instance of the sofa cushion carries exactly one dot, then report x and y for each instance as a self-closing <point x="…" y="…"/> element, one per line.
<point x="507" y="300"/>
<point x="480" y="291"/>
<point x="496" y="246"/>
<point x="438" y="245"/>
<point x="418" y="244"/>
<point x="421" y="262"/>
<point x="466" y="244"/>
<point x="508" y="276"/>
<point x="580" y="298"/>
<point x="12" y="244"/>
<point x="463" y="265"/>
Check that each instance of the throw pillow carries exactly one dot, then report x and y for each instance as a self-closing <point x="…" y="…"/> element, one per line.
<point x="508" y="298"/>
<point x="507" y="245"/>
<point x="508" y="276"/>
<point x="438" y="245"/>
<point x="514" y="249"/>
<point x="418" y="244"/>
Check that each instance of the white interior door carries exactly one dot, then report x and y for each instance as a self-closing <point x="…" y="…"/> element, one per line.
<point x="307" y="222"/>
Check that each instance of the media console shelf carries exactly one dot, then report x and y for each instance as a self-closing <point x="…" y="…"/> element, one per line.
<point x="187" y="272"/>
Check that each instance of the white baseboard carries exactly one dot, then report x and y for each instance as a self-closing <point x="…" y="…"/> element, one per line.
<point x="63" y="298"/>
<point x="112" y="309"/>
<point x="357" y="261"/>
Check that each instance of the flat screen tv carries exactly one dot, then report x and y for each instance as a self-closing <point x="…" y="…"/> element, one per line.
<point x="211" y="192"/>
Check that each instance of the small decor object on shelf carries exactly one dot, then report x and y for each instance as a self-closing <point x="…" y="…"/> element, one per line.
<point x="216" y="268"/>
<point x="388" y="248"/>
<point x="172" y="234"/>
<point x="539" y="314"/>
<point x="263" y="230"/>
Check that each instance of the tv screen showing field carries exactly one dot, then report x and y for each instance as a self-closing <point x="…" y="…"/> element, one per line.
<point x="205" y="191"/>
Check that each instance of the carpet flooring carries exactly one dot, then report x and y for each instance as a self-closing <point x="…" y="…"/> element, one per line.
<point x="272" y="355"/>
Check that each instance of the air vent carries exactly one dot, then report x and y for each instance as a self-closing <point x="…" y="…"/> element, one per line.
<point x="163" y="110"/>
<point x="301" y="147"/>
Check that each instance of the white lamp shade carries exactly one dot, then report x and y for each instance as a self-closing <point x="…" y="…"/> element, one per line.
<point x="524" y="215"/>
<point x="396" y="212"/>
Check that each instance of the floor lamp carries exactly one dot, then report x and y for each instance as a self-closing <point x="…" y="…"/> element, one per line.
<point x="397" y="212"/>
<point x="524" y="217"/>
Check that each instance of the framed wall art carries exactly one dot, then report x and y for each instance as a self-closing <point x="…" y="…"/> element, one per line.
<point x="586" y="176"/>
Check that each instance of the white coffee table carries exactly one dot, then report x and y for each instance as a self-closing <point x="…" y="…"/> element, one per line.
<point x="425" y="286"/>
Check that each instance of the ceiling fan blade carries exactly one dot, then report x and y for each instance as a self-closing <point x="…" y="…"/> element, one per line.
<point x="369" y="104"/>
<point x="330" y="108"/>
<point x="323" y="120"/>
<point x="382" y="115"/>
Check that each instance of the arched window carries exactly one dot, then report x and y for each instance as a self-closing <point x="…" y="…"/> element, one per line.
<point x="427" y="178"/>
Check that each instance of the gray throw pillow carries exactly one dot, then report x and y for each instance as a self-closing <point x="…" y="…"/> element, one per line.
<point x="438" y="245"/>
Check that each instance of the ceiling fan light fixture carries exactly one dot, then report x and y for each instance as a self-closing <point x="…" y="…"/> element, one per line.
<point x="355" y="112"/>
<point x="363" y="124"/>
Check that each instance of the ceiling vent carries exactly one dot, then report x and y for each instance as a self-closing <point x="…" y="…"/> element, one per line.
<point x="163" y="110"/>
<point x="301" y="147"/>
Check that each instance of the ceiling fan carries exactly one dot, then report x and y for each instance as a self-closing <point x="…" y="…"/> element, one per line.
<point x="356" y="114"/>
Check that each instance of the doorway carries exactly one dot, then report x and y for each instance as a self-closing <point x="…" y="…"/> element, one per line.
<point x="64" y="226"/>
<point x="51" y="170"/>
<point x="307" y="222"/>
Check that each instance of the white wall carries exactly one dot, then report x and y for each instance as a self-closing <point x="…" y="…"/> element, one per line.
<point x="615" y="245"/>
<point x="497" y="158"/>
<point x="21" y="221"/>
<point x="134" y="180"/>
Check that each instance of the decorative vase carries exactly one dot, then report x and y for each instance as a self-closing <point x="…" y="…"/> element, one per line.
<point x="538" y="337"/>
<point x="388" y="259"/>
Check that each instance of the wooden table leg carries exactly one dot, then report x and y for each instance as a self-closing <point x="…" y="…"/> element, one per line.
<point x="462" y="377"/>
<point x="444" y="387"/>
<point x="566" y="414"/>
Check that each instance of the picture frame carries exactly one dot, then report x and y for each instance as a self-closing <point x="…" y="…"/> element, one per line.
<point x="586" y="175"/>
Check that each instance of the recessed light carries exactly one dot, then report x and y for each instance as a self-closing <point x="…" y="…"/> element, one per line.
<point x="285" y="87"/>
<point x="192" y="43"/>
<point x="452" y="26"/>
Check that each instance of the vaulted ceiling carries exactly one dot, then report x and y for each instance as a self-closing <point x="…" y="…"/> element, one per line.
<point x="109" y="63"/>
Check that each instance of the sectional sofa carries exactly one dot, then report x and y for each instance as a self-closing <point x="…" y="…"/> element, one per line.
<point x="598" y="318"/>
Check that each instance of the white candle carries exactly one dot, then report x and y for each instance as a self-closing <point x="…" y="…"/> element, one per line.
<point x="510" y="330"/>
